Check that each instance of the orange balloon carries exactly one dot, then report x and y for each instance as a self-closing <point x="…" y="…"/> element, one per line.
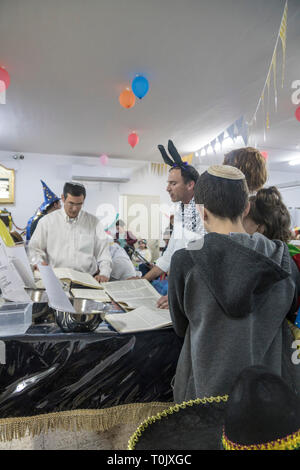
<point x="127" y="98"/>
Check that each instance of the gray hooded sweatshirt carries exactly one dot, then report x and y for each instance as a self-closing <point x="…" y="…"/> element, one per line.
<point x="229" y="300"/>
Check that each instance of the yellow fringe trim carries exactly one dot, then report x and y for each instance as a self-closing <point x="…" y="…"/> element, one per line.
<point x="173" y="409"/>
<point x="76" y="420"/>
<point x="291" y="442"/>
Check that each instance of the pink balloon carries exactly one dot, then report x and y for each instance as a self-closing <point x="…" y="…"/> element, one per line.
<point x="104" y="159"/>
<point x="297" y="114"/>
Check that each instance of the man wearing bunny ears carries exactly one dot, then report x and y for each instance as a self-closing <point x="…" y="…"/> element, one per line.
<point x="187" y="222"/>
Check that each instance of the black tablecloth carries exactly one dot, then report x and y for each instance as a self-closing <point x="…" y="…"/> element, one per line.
<point x="47" y="370"/>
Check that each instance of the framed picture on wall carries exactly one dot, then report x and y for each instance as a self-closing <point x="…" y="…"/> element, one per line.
<point x="7" y="185"/>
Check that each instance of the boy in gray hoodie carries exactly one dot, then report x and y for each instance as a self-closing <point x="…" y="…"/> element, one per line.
<point x="230" y="298"/>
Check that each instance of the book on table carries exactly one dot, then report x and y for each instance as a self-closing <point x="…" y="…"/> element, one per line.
<point x="133" y="293"/>
<point x="139" y="319"/>
<point x="139" y="298"/>
<point x="72" y="276"/>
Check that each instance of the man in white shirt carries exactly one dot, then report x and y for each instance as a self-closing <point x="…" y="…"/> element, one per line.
<point x="187" y="222"/>
<point x="122" y="266"/>
<point x="72" y="238"/>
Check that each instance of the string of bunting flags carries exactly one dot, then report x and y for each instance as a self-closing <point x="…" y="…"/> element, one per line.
<point x="240" y="127"/>
<point x="236" y="129"/>
<point x="264" y="100"/>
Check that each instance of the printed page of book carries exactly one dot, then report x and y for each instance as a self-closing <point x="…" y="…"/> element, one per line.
<point x="140" y="319"/>
<point x="77" y="277"/>
<point x="91" y="294"/>
<point x="133" y="293"/>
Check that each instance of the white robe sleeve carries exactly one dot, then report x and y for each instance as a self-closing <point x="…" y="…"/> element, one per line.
<point x="164" y="262"/>
<point x="102" y="253"/>
<point x="37" y="247"/>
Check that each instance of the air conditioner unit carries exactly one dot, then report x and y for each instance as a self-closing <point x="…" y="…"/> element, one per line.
<point x="292" y="184"/>
<point x="103" y="174"/>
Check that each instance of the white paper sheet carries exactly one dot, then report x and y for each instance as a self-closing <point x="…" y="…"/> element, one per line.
<point x="56" y="295"/>
<point x="23" y="273"/>
<point x="19" y="252"/>
<point x="12" y="286"/>
<point x="3" y="255"/>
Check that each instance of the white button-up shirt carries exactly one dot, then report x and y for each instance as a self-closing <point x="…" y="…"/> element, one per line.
<point x="187" y="227"/>
<point x="78" y="243"/>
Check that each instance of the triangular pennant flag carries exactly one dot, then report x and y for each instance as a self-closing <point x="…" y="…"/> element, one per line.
<point x="230" y="131"/>
<point x="206" y="148"/>
<point x="282" y="34"/>
<point x="213" y="144"/>
<point x="239" y="124"/>
<point x="274" y="78"/>
<point x="245" y="134"/>
<point x="221" y="138"/>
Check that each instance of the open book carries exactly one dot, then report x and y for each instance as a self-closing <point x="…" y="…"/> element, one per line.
<point x="140" y="319"/>
<point x="132" y="293"/>
<point x="70" y="275"/>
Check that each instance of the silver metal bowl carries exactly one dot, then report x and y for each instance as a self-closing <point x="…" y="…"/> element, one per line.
<point x="86" y="318"/>
<point x="39" y="298"/>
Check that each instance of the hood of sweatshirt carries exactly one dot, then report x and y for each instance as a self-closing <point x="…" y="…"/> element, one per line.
<point x="241" y="269"/>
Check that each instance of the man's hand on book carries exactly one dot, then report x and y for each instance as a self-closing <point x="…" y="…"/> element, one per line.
<point x="163" y="302"/>
<point x="100" y="278"/>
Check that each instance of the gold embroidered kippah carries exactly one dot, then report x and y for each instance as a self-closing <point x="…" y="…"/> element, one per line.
<point x="226" y="172"/>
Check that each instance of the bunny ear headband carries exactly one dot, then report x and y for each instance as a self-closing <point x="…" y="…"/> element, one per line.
<point x="176" y="162"/>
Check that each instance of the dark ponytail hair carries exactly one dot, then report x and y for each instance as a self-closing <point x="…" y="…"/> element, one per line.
<point x="268" y="209"/>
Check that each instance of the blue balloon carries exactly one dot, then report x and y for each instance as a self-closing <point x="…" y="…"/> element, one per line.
<point x="140" y="86"/>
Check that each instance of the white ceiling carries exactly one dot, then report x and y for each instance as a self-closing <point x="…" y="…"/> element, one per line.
<point x="206" y="62"/>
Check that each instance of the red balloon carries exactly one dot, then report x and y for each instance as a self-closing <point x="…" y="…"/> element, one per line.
<point x="133" y="139"/>
<point x="265" y="155"/>
<point x="4" y="77"/>
<point x="297" y="114"/>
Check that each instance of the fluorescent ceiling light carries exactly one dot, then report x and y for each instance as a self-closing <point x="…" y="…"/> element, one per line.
<point x="294" y="162"/>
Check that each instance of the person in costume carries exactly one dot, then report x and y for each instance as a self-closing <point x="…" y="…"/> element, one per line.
<point x="261" y="413"/>
<point x="251" y="162"/>
<point x="187" y="222"/>
<point x="72" y="238"/>
<point x="50" y="204"/>
<point x="143" y="250"/>
<point x="124" y="237"/>
<point x="270" y="216"/>
<point x="231" y="298"/>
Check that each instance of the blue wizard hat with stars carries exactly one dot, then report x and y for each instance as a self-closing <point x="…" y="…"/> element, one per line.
<point x="49" y="198"/>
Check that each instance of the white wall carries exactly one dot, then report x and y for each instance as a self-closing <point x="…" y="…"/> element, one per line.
<point x="56" y="169"/>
